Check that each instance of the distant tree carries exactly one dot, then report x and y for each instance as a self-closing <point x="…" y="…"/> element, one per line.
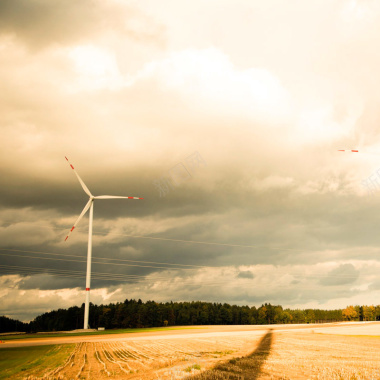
<point x="171" y="316"/>
<point x="132" y="314"/>
<point x="204" y="315"/>
<point x="349" y="313"/>
<point x="262" y="315"/>
<point x="271" y="313"/>
<point x="369" y="313"/>
<point x="377" y="313"/>
<point x="253" y="316"/>
<point x="309" y="316"/>
<point x="283" y="317"/>
<point x="12" y="325"/>
<point x="226" y="314"/>
<point x="286" y="317"/>
<point x="298" y="316"/>
<point x="361" y="313"/>
<point x="244" y="315"/>
<point x="105" y="317"/>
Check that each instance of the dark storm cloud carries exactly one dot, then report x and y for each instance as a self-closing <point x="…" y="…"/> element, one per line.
<point x="42" y="22"/>
<point x="374" y="285"/>
<point x="49" y="282"/>
<point x="187" y="203"/>
<point x="241" y="293"/>
<point x="42" y="192"/>
<point x="245" y="274"/>
<point x="268" y="209"/>
<point x="248" y="217"/>
<point x="343" y="275"/>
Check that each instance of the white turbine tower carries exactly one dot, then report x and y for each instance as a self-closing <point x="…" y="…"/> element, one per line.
<point x="89" y="205"/>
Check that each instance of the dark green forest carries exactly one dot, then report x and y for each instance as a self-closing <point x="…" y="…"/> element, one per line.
<point x="138" y="314"/>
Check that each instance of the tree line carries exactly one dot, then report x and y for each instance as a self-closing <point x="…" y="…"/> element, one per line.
<point x="138" y="314"/>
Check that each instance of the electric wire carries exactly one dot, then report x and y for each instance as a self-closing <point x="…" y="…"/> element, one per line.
<point x="259" y="270"/>
<point x="191" y="282"/>
<point x="201" y="242"/>
<point x="111" y="276"/>
<point x="148" y="266"/>
<point x="100" y="258"/>
<point x="94" y="262"/>
<point x="183" y="240"/>
<point x="65" y="271"/>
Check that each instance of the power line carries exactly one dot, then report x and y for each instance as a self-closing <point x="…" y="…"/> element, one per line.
<point x="187" y="282"/>
<point x="54" y="271"/>
<point x="179" y="266"/>
<point x="102" y="276"/>
<point x="65" y="271"/>
<point x="260" y="270"/>
<point x="101" y="258"/>
<point x="147" y="266"/>
<point x="187" y="241"/>
<point x="202" y="242"/>
<point x="96" y="262"/>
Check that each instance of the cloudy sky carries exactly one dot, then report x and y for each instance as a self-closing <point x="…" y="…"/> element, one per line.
<point x="225" y="116"/>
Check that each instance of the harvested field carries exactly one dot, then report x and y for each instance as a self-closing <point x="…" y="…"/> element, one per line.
<point x="323" y="357"/>
<point x="304" y="356"/>
<point x="288" y="352"/>
<point x="147" y="359"/>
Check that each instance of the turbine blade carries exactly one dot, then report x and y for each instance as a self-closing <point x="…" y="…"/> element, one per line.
<point x="114" y="197"/>
<point x="85" y="188"/>
<point x="80" y="217"/>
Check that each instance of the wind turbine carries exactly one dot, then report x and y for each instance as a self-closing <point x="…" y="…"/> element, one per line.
<point x="89" y="205"/>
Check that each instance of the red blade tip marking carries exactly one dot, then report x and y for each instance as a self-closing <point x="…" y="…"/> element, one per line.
<point x="72" y="167"/>
<point x="87" y="289"/>
<point x="354" y="150"/>
<point x="66" y="237"/>
<point x="66" y="158"/>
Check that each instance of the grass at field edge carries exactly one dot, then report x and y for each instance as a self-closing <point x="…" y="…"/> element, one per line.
<point x="20" y="362"/>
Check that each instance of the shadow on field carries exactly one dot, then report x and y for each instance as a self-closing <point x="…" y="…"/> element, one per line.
<point x="244" y="368"/>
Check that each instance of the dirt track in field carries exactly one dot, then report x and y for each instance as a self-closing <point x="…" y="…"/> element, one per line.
<point x="295" y="352"/>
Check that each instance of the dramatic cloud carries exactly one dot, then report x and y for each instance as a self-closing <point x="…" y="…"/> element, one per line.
<point x="226" y="118"/>
<point x="40" y="23"/>
<point x="344" y="274"/>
